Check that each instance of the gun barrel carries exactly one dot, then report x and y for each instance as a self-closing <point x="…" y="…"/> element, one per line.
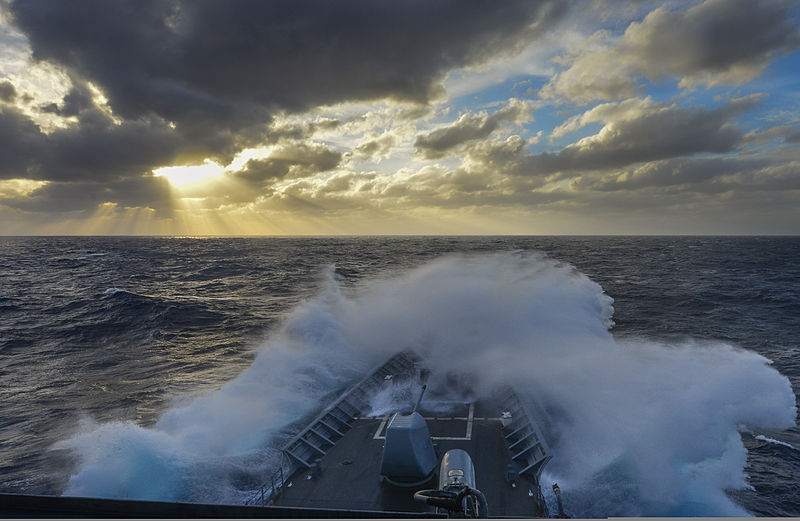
<point x="419" y="400"/>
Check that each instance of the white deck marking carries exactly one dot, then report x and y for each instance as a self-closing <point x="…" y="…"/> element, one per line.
<point x="380" y="429"/>
<point x="469" y="422"/>
<point x="467" y="436"/>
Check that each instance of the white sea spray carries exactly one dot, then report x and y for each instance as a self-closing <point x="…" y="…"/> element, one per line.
<point x="637" y="427"/>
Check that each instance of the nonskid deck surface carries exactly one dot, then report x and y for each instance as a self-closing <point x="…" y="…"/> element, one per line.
<point x="350" y="471"/>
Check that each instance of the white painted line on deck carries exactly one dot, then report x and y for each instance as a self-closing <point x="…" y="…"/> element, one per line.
<point x="467" y="436"/>
<point x="470" y="420"/>
<point x="380" y="429"/>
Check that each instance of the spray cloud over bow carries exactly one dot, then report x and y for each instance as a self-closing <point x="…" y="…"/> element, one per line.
<point x="636" y="427"/>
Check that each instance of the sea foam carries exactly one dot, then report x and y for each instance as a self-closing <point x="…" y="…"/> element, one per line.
<point x="636" y="427"/>
<point x="775" y="442"/>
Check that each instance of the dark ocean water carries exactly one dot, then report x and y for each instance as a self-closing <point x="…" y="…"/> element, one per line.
<point x="119" y="330"/>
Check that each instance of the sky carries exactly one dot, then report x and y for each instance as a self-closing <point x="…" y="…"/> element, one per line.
<point x="531" y="117"/>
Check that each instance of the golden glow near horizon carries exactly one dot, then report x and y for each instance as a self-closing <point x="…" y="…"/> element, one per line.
<point x="185" y="177"/>
<point x="189" y="175"/>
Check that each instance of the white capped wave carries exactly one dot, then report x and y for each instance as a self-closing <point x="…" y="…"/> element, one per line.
<point x="637" y="427"/>
<point x="117" y="291"/>
<point x="775" y="442"/>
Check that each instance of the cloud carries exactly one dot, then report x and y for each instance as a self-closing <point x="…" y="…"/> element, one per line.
<point x="96" y="149"/>
<point x="292" y="160"/>
<point x="686" y="173"/>
<point x="8" y="94"/>
<point x="636" y="131"/>
<point x="695" y="178"/>
<point x="774" y="178"/>
<point x="82" y="167"/>
<point x="233" y="64"/>
<point x="306" y="96"/>
<point x="509" y="156"/>
<point x="85" y="196"/>
<point x="103" y="151"/>
<point x="20" y="142"/>
<point x="789" y="134"/>
<point x="718" y="42"/>
<point x="78" y="99"/>
<point x="793" y="136"/>
<point x="376" y="148"/>
<point x="626" y="110"/>
<point x="694" y="185"/>
<point x="282" y="130"/>
<point x="152" y="83"/>
<point x="431" y="186"/>
<point x="469" y="127"/>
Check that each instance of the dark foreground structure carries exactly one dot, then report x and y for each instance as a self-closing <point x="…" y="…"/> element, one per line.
<point x="27" y="506"/>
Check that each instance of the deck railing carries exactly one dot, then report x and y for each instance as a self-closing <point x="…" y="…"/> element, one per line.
<point x="316" y="439"/>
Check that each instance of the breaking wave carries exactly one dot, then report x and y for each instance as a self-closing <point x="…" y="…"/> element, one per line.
<point x="775" y="442"/>
<point x="636" y="427"/>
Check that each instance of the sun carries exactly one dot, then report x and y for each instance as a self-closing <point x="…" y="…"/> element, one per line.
<point x="184" y="176"/>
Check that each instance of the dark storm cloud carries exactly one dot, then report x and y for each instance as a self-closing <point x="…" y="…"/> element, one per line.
<point x="87" y="165"/>
<point x="292" y="160"/>
<point x="104" y="151"/>
<point x="20" y="142"/>
<point x="94" y="162"/>
<point x="187" y="80"/>
<point x="78" y="99"/>
<point x="469" y="127"/>
<point x="97" y="149"/>
<point x="8" y="93"/>
<point x="233" y="63"/>
<point x="649" y="132"/>
<point x="57" y="197"/>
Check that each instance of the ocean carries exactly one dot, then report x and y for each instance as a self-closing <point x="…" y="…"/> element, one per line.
<point x="171" y="368"/>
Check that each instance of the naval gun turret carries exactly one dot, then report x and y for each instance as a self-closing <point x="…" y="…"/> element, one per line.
<point x="409" y="457"/>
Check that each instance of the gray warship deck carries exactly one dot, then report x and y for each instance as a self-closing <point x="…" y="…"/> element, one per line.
<point x="334" y="462"/>
<point x="349" y="473"/>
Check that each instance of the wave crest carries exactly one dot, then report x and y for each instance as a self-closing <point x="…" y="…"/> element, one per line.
<point x="636" y="427"/>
